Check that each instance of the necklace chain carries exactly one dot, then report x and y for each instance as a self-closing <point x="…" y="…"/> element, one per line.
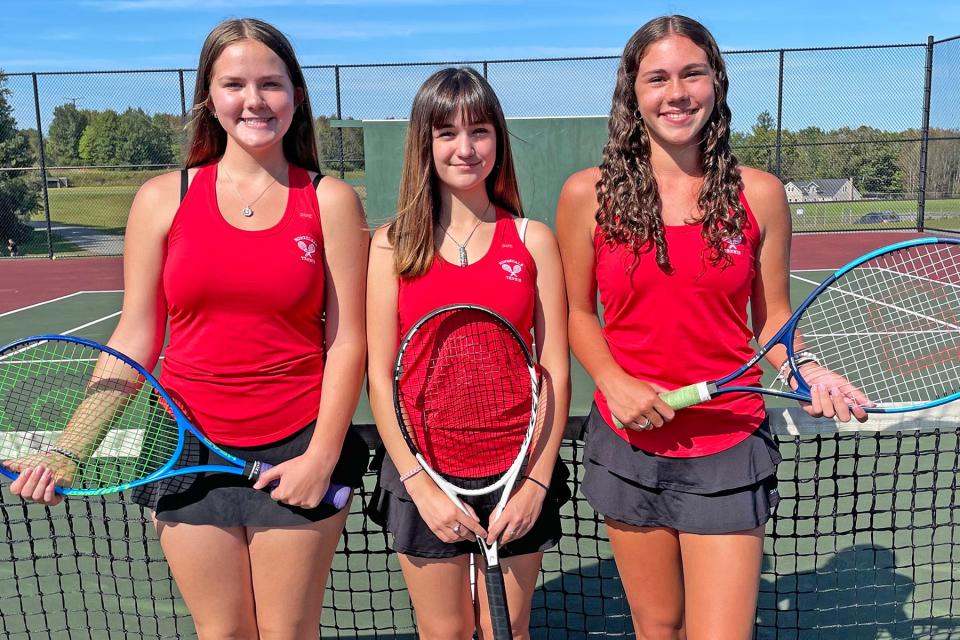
<point x="462" y="248"/>
<point x="247" y="211"/>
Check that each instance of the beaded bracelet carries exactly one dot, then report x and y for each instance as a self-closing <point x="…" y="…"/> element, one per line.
<point x="785" y="374"/>
<point x="409" y="474"/>
<point x="66" y="453"/>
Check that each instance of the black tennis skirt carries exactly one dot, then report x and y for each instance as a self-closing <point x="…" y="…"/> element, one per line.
<point x="392" y="508"/>
<point x="228" y="500"/>
<point x="729" y="491"/>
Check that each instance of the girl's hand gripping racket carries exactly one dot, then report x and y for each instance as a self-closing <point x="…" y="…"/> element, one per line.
<point x="466" y="392"/>
<point x="888" y="322"/>
<point x="100" y="420"/>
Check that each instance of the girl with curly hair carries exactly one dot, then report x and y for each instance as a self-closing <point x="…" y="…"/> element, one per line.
<point x="678" y="239"/>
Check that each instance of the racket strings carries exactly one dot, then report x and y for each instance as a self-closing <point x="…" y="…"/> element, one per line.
<point x="466" y="394"/>
<point x="891" y="326"/>
<point x="58" y="394"/>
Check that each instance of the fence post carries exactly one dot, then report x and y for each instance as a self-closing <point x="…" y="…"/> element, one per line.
<point x="336" y="71"/>
<point x="183" y="96"/>
<point x="43" y="167"/>
<point x="779" y="170"/>
<point x="925" y="138"/>
<point x="485" y="70"/>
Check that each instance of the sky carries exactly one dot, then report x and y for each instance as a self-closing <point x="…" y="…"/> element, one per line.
<point x="827" y="89"/>
<point x="51" y="35"/>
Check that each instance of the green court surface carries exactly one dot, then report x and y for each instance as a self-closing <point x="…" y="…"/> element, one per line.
<point x="866" y="542"/>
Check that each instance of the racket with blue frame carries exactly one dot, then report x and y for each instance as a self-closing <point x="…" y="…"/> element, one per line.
<point x="106" y="420"/>
<point x="888" y="322"/>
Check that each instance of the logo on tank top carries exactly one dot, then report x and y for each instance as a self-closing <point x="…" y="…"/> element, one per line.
<point x="309" y="246"/>
<point x="512" y="267"/>
<point x="733" y="245"/>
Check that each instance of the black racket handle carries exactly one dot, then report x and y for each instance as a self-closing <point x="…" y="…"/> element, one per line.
<point x="497" y="599"/>
<point x="337" y="494"/>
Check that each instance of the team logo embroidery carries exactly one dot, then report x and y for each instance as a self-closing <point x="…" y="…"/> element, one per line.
<point x="733" y="245"/>
<point x="513" y="268"/>
<point x="309" y="246"/>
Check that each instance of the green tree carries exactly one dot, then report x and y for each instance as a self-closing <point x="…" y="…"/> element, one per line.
<point x="18" y="190"/>
<point x="63" y="138"/>
<point x="102" y="139"/>
<point x="143" y="140"/>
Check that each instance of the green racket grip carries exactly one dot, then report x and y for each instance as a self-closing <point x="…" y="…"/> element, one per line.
<point x="680" y="398"/>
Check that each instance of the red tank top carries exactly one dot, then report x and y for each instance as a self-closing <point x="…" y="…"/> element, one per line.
<point x="504" y="281"/>
<point x="246" y="348"/>
<point x="680" y="328"/>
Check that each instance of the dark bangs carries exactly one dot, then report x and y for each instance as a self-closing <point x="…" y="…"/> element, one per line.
<point x="461" y="93"/>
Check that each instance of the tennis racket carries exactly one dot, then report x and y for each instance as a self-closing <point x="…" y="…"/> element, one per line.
<point x="106" y="413"/>
<point x="888" y="322"/>
<point x="467" y="392"/>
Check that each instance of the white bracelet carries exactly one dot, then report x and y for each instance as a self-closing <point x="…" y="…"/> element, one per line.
<point x="799" y="359"/>
<point x="409" y="474"/>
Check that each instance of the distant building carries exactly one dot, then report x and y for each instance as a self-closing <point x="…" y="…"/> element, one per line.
<point x="54" y="182"/>
<point x="825" y="190"/>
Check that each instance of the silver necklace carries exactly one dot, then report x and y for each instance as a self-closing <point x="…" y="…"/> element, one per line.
<point x="247" y="211"/>
<point x="462" y="248"/>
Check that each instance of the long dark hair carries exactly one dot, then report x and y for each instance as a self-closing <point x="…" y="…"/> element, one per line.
<point x="208" y="140"/>
<point x="627" y="192"/>
<point x="444" y="96"/>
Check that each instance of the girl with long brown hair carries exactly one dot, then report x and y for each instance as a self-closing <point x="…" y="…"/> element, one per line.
<point x="459" y="236"/>
<point x="678" y="240"/>
<point x="259" y="267"/>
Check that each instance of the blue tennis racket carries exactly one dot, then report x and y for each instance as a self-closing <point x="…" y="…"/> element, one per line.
<point x="103" y="421"/>
<point x="888" y="322"/>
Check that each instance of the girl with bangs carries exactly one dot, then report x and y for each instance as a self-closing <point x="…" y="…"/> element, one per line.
<point x="459" y="221"/>
<point x="257" y="262"/>
<point x="678" y="240"/>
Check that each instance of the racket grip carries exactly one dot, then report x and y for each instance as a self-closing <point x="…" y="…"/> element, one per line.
<point x="680" y="398"/>
<point x="497" y="599"/>
<point x="687" y="396"/>
<point x="337" y="494"/>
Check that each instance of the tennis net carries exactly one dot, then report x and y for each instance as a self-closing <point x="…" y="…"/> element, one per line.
<point x="865" y="544"/>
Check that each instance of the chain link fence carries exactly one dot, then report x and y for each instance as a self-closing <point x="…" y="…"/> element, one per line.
<point x="864" y="138"/>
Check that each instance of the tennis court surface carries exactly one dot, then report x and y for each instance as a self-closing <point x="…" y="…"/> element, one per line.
<point x="865" y="542"/>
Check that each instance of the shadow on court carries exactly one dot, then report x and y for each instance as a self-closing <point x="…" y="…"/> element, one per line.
<point x="860" y="593"/>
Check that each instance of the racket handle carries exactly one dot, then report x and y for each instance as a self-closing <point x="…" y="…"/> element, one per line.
<point x="680" y="398"/>
<point x="337" y="494"/>
<point x="497" y="599"/>
<point x="687" y="396"/>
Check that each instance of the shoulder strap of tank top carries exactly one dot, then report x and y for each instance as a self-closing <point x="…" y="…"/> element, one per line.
<point x="184" y="183"/>
<point x="523" y="230"/>
<point x="316" y="180"/>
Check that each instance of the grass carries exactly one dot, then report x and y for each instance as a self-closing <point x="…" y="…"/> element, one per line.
<point x="37" y="245"/>
<point x="106" y="206"/>
<point x="832" y="216"/>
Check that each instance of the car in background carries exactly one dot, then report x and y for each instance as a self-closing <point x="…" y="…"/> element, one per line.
<point x="877" y="217"/>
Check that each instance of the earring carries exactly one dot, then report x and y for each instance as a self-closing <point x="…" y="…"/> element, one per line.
<point x="637" y="115"/>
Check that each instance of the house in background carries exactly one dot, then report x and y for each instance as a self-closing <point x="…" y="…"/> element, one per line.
<point x="825" y="190"/>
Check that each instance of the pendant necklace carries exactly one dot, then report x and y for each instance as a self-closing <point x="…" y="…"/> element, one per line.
<point x="462" y="248"/>
<point x="247" y="211"/>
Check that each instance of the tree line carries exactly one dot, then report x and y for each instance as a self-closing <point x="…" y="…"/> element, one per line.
<point x="880" y="162"/>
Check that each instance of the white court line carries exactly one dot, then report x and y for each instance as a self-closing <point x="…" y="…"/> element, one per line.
<point x="39" y="304"/>
<point x="67" y="332"/>
<point x="117" y="443"/>
<point x="69" y="295"/>
<point x="916" y="277"/>
<point x="884" y="304"/>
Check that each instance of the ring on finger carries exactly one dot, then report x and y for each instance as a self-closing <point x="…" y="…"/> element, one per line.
<point x="646" y="424"/>
<point x="456" y="528"/>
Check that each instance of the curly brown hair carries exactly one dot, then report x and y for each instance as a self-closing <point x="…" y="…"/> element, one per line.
<point x="630" y="206"/>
